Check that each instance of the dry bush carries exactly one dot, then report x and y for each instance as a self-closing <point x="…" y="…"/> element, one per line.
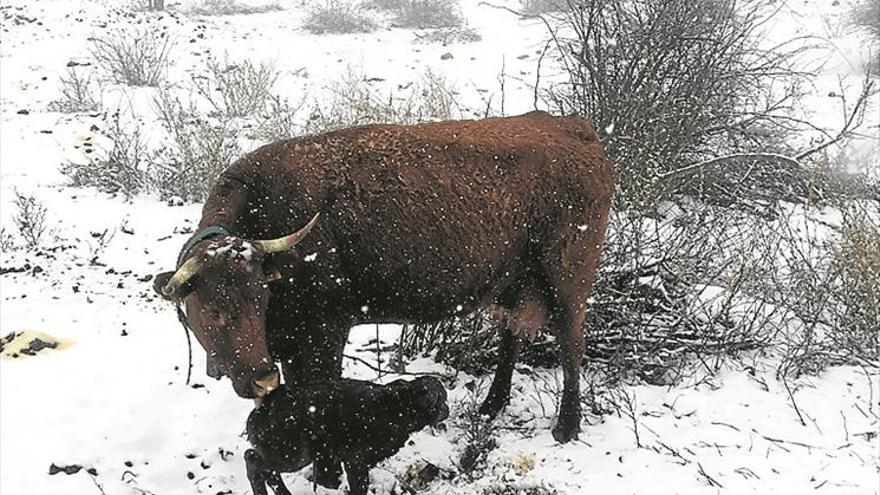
<point x="422" y="13"/>
<point x="30" y="219"/>
<point x="353" y="102"/>
<point x="520" y="488"/>
<point x="447" y="36"/>
<point x="672" y="288"/>
<point x="533" y="7"/>
<point x="78" y="93"/>
<point x="338" y="17"/>
<point x="865" y="15"/>
<point x="855" y="260"/>
<point x="671" y="83"/>
<point x="279" y="120"/>
<point x="229" y="7"/>
<point x="149" y="5"/>
<point x="124" y="166"/>
<point x="478" y="432"/>
<point x="237" y="89"/>
<point x="200" y="149"/>
<point x="137" y="57"/>
<point x="7" y="241"/>
<point x="829" y="285"/>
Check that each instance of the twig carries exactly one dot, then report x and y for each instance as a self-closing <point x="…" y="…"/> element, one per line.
<point x="848" y="126"/>
<point x="711" y="480"/>
<point x="760" y="157"/>
<point x="793" y="402"/>
<point x="379" y="370"/>
<point x="97" y="485"/>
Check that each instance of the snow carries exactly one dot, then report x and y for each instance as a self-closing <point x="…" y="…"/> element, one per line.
<point x="115" y="392"/>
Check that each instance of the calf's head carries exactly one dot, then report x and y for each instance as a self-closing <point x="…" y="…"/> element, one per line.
<point x="224" y="284"/>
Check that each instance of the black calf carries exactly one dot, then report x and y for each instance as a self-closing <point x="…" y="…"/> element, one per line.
<point x="358" y="423"/>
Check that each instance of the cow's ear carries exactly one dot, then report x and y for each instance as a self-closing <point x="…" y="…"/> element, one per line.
<point x="161" y="280"/>
<point x="272" y="270"/>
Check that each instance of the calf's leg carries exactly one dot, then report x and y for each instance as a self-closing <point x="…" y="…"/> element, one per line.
<point x="256" y="473"/>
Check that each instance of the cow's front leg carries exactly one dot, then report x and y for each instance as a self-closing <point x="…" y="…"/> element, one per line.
<point x="317" y="356"/>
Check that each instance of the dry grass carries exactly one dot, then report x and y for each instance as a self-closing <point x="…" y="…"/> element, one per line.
<point x="30" y="219"/>
<point x="122" y="168"/>
<point x="79" y="93"/>
<point x="338" y="17"/>
<point x="230" y="7"/>
<point x="353" y="101"/>
<point x="237" y="89"/>
<point x="200" y="149"/>
<point x="422" y="14"/>
<point x="137" y="57"/>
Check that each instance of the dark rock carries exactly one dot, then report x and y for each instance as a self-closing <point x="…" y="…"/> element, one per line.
<point x="71" y="469"/>
<point x="38" y="345"/>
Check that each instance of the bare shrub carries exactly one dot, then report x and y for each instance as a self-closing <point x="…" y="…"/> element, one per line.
<point x="479" y="433"/>
<point x="78" y="93"/>
<point x="338" y="17"/>
<point x="829" y="284"/>
<point x="149" y="5"/>
<point x="137" y="57"/>
<point x="237" y="89"/>
<point x="446" y="36"/>
<point x="519" y="488"/>
<point x="533" y="7"/>
<point x="200" y="149"/>
<point x="670" y="83"/>
<point x="279" y="120"/>
<point x="855" y="260"/>
<point x="122" y="169"/>
<point x="230" y="7"/>
<point x="353" y="101"/>
<point x="7" y="242"/>
<point x="30" y="219"/>
<point x="865" y="15"/>
<point x="672" y="288"/>
<point x="422" y="13"/>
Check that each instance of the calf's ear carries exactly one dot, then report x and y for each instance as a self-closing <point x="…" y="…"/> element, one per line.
<point x="431" y="399"/>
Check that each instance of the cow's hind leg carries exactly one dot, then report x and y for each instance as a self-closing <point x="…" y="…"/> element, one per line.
<point x="499" y="392"/>
<point x="571" y="265"/>
<point x="526" y="318"/>
<point x="568" y="327"/>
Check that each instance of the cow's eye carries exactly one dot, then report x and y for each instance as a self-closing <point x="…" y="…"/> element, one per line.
<point x="217" y="317"/>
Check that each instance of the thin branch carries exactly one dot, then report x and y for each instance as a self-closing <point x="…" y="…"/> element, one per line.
<point x="759" y="157"/>
<point x="850" y="123"/>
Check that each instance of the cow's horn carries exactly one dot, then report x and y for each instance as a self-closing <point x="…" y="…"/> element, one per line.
<point x="184" y="273"/>
<point x="288" y="241"/>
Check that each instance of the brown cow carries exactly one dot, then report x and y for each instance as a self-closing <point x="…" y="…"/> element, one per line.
<point x="417" y="223"/>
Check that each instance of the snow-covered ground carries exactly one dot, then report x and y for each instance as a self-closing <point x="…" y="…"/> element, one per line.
<point x="114" y="397"/>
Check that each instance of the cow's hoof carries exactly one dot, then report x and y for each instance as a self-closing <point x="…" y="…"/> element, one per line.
<point x="567" y="429"/>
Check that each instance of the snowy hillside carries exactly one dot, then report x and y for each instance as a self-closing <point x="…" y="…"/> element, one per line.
<point x="112" y="397"/>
